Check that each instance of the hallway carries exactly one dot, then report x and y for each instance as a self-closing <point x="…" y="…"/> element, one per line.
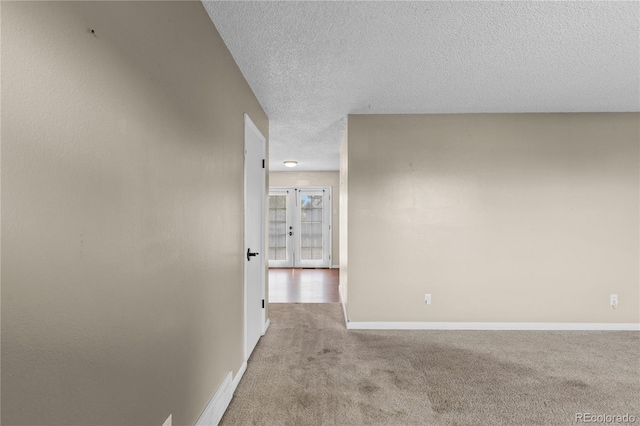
<point x="303" y="285"/>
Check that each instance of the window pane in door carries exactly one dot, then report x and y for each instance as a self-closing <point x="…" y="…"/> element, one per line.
<point x="277" y="227"/>
<point x="311" y="227"/>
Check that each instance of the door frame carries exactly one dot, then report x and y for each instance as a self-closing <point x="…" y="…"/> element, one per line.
<point x="250" y="126"/>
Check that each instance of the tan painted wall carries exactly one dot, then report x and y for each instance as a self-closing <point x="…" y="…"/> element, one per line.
<point x="344" y="216"/>
<point x="514" y="218"/>
<point x="332" y="179"/>
<point x="122" y="224"/>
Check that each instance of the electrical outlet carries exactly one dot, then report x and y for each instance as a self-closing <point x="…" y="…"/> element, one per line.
<point x="427" y="299"/>
<point x="167" y="422"/>
<point x="614" y="301"/>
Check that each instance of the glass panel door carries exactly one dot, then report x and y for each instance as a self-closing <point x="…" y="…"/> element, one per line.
<point x="280" y="228"/>
<point x="312" y="218"/>
<point x="299" y="227"/>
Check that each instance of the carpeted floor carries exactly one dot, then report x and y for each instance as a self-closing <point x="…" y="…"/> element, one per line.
<point x="309" y="370"/>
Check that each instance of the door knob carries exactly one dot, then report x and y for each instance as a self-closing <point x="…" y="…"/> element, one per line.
<point x="250" y="255"/>
<point x="290" y="233"/>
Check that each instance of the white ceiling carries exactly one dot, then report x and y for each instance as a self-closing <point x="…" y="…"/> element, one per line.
<point x="312" y="63"/>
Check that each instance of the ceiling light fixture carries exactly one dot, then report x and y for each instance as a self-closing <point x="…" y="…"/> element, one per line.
<point x="290" y="163"/>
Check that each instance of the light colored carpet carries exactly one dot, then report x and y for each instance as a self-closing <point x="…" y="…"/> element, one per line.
<point x="309" y="370"/>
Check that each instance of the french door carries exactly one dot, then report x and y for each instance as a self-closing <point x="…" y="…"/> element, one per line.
<point x="299" y="227"/>
<point x="281" y="206"/>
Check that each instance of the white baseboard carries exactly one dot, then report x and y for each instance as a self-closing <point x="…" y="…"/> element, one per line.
<point x="265" y="326"/>
<point x="236" y="380"/>
<point x="218" y="404"/>
<point x="560" y="326"/>
<point x="335" y="266"/>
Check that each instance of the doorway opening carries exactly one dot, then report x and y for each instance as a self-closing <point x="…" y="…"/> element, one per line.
<point x="300" y="227"/>
<point x="300" y="246"/>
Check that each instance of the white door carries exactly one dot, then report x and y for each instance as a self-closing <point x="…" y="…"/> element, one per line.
<point x="253" y="255"/>
<point x="281" y="202"/>
<point x="312" y="244"/>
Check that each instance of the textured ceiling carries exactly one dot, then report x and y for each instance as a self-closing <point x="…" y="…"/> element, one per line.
<point x="312" y="63"/>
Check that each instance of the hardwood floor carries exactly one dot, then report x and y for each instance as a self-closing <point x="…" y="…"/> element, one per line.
<point x="303" y="285"/>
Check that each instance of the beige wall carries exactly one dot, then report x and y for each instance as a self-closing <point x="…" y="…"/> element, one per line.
<point x="344" y="216"/>
<point x="332" y="179"/>
<point x="122" y="196"/>
<point x="514" y="218"/>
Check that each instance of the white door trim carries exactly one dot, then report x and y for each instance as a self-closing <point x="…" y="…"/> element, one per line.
<point x="249" y="125"/>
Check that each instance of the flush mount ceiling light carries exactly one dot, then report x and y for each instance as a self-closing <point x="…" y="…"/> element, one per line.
<point x="290" y="163"/>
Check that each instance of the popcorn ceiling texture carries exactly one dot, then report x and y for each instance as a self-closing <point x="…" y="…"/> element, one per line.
<point x="312" y="63"/>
